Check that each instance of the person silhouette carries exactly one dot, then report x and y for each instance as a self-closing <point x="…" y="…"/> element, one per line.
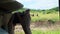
<point x="6" y="8"/>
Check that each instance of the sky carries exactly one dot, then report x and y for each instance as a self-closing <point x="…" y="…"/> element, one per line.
<point x="39" y="4"/>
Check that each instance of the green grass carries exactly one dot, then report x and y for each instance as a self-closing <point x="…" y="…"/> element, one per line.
<point x="46" y="32"/>
<point x="42" y="32"/>
<point x="42" y="17"/>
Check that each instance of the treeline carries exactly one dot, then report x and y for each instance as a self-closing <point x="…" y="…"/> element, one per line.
<point x="55" y="9"/>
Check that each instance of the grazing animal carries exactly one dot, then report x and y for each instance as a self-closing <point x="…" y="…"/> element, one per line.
<point x="20" y="18"/>
<point x="32" y="14"/>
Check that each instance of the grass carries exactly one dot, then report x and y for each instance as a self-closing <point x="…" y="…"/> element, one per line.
<point x="46" y="32"/>
<point x="42" y="32"/>
<point x="42" y="17"/>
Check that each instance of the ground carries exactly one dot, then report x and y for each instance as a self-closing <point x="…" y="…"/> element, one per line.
<point x="39" y="29"/>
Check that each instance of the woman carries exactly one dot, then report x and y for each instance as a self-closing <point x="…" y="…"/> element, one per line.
<point x="6" y="7"/>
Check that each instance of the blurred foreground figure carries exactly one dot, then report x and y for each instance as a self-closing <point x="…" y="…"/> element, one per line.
<point x="6" y="8"/>
<point x="20" y="18"/>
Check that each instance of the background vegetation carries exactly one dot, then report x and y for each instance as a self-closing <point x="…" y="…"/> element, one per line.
<point x="49" y="14"/>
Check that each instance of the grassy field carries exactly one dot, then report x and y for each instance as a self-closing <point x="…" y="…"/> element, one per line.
<point x="40" y="32"/>
<point x="43" y="17"/>
<point x="47" y="32"/>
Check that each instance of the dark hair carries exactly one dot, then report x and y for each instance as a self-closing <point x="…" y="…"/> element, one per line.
<point x="5" y="10"/>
